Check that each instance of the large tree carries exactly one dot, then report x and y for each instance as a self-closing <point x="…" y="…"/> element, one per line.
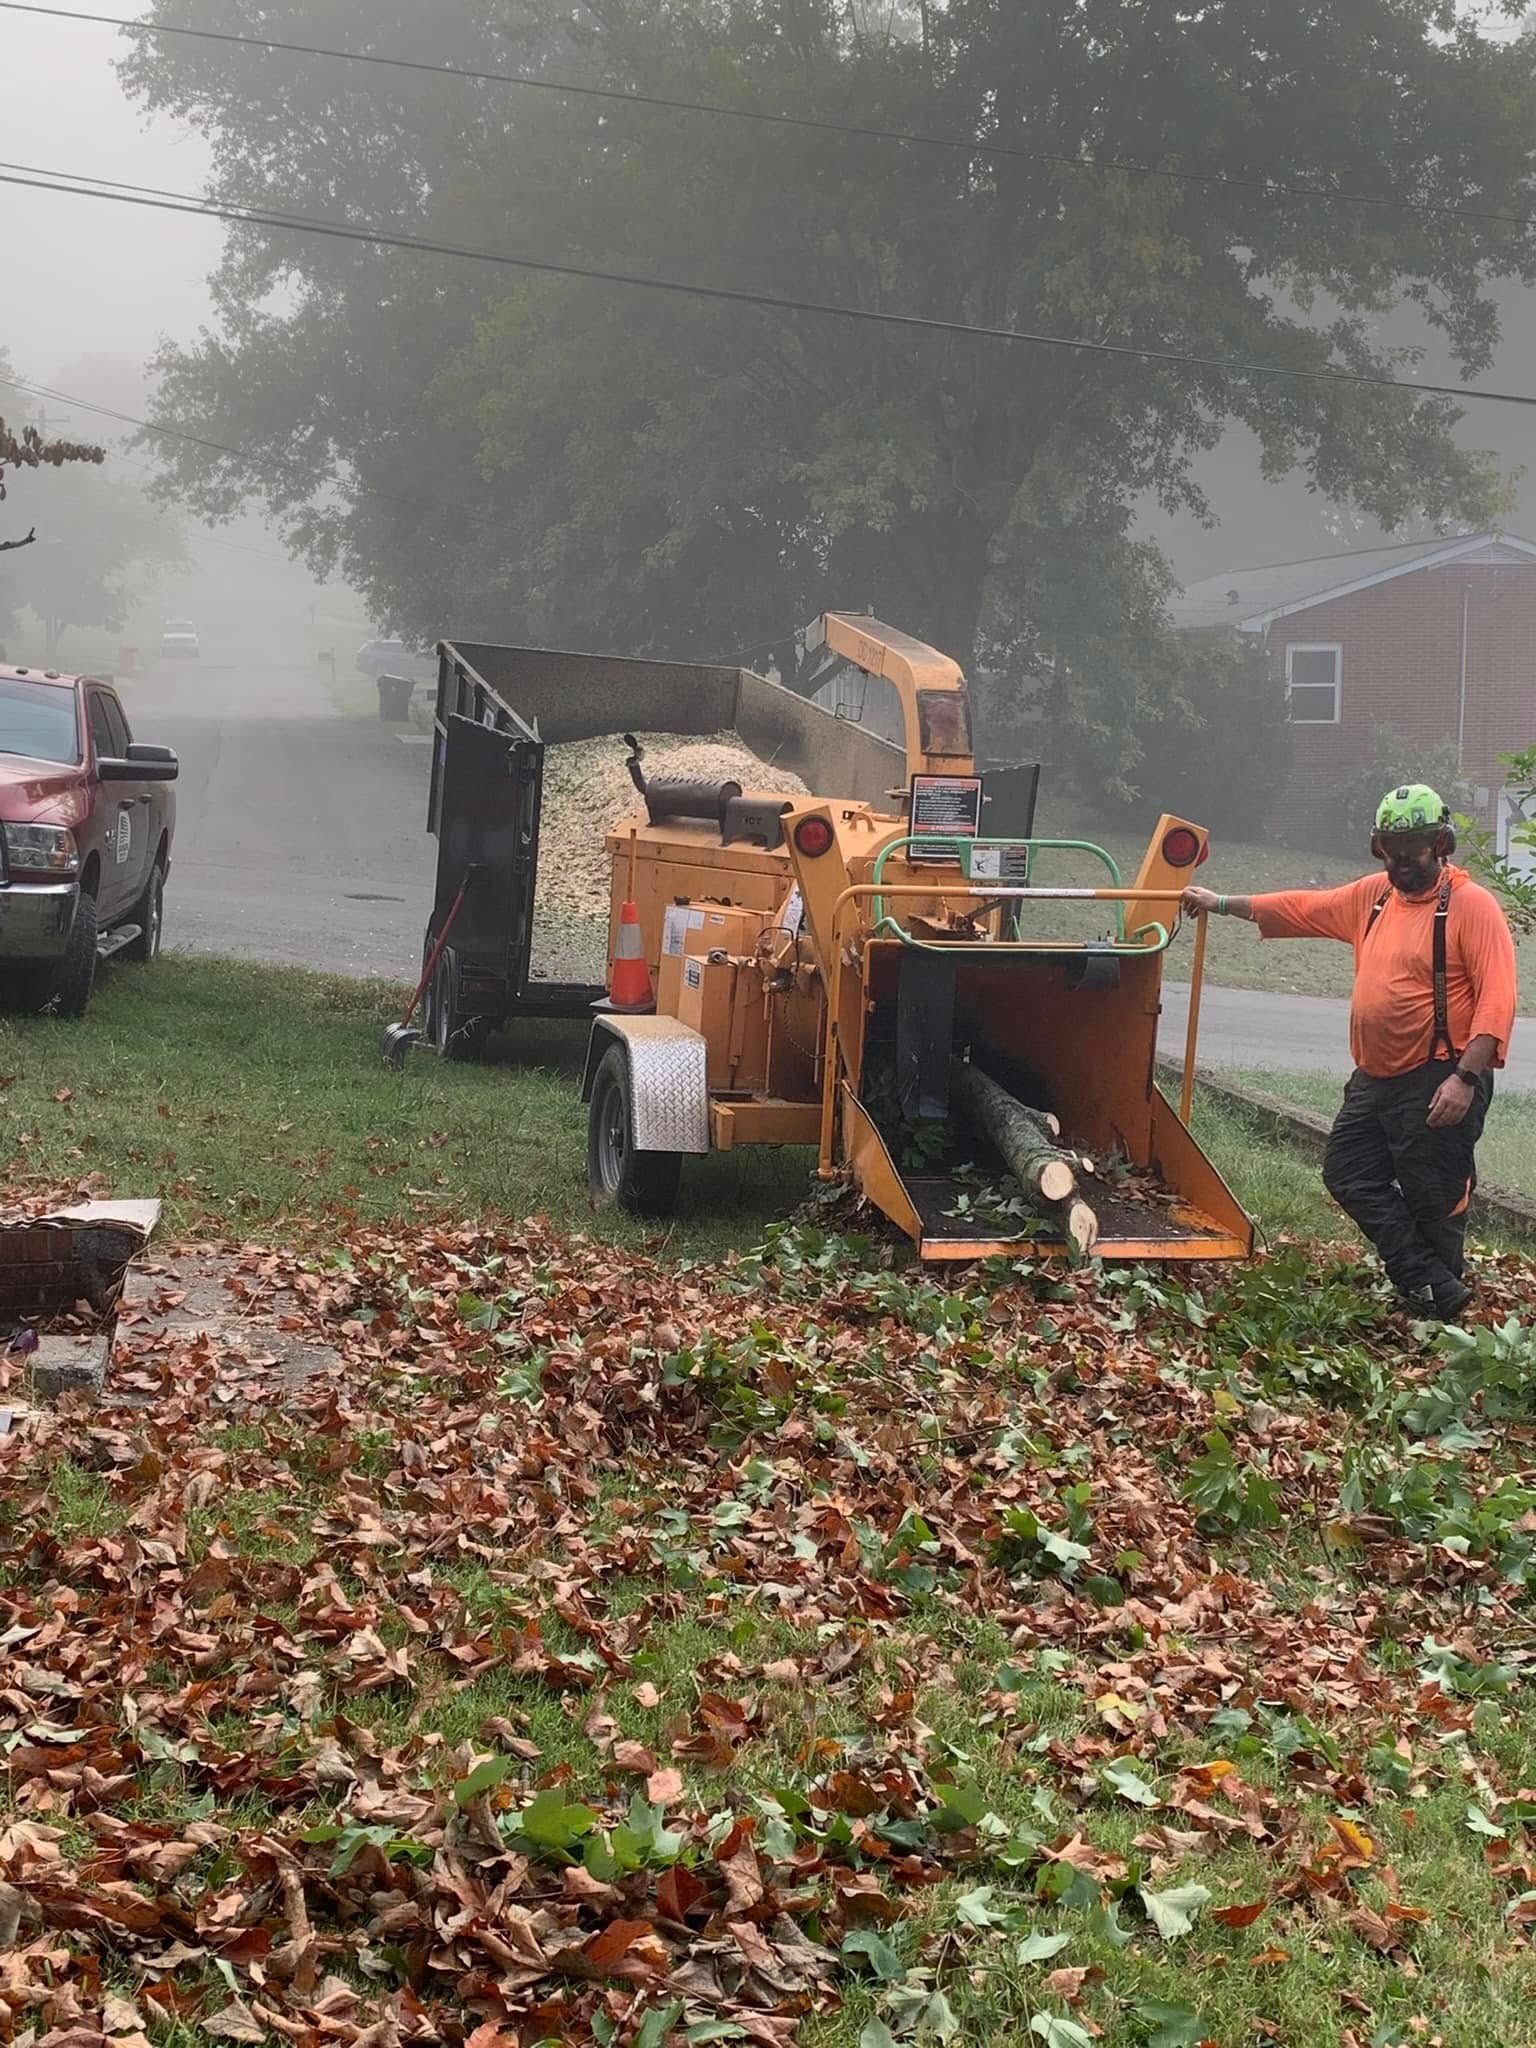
<point x="519" y="455"/>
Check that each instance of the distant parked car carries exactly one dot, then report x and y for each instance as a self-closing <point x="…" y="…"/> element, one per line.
<point x="86" y="822"/>
<point x="393" y="658"/>
<point x="179" y="639"/>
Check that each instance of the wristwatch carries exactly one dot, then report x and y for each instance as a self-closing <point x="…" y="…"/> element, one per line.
<point x="1469" y="1080"/>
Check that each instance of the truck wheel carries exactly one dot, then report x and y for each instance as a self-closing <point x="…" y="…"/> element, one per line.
<point x="457" y="1035"/>
<point x="149" y="915"/>
<point x="644" y="1183"/>
<point x="65" y="988"/>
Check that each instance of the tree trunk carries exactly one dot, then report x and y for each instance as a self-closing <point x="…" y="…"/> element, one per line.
<point x="1022" y="1136"/>
<point x="1026" y="1138"/>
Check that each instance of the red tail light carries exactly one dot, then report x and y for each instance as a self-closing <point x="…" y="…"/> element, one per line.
<point x="813" y="837"/>
<point x="1181" y="847"/>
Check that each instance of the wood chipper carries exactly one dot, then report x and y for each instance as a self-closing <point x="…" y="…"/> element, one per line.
<point x="885" y="978"/>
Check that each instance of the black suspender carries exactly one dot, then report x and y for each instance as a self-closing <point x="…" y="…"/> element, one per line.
<point x="1442" y="1035"/>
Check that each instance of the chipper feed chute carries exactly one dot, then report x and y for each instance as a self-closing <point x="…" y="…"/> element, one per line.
<point x="994" y="1090"/>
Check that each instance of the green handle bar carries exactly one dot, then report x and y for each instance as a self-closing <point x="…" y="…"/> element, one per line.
<point x="964" y="846"/>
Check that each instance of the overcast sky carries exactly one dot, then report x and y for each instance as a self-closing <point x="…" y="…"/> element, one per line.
<point x="82" y="277"/>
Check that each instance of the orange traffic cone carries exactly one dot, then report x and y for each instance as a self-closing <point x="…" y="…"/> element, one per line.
<point x="629" y="982"/>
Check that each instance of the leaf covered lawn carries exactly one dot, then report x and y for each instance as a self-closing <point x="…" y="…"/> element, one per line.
<point x="783" y="1650"/>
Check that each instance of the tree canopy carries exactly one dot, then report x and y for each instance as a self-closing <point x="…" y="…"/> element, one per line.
<point x="521" y="456"/>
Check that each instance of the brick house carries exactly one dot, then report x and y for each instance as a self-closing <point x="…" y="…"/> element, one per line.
<point x="1434" y="638"/>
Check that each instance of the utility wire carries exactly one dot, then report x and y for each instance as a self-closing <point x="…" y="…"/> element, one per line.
<point x="37" y="180"/>
<point x="1268" y="186"/>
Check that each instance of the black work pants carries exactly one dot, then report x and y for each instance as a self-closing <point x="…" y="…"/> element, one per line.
<point x="1405" y="1185"/>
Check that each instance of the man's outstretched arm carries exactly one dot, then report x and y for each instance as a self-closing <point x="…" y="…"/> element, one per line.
<point x="1293" y="913"/>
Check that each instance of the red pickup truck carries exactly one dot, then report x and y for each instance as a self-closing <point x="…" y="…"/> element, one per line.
<point x="86" y="822"/>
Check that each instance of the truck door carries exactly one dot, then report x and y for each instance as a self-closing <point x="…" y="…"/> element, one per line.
<point x="125" y="815"/>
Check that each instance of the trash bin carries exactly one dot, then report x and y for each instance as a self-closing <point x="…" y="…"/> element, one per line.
<point x="395" y="699"/>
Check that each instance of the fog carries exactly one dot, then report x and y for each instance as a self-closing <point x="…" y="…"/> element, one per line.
<point x="81" y="276"/>
<point x="91" y="290"/>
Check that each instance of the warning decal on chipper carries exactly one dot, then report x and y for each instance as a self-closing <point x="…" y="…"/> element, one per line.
<point x="944" y="808"/>
<point x="693" y="972"/>
<point x="679" y="921"/>
<point x="1008" y="864"/>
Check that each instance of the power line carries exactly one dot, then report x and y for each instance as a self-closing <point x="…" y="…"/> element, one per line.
<point x="157" y="428"/>
<point x="37" y="180"/>
<point x="1267" y="186"/>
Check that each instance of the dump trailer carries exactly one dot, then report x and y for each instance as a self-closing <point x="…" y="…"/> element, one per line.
<point x="880" y="973"/>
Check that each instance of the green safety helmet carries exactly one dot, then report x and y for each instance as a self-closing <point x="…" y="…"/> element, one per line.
<point x="1413" y="808"/>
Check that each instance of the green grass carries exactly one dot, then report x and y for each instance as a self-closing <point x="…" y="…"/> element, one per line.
<point x="1237" y="956"/>
<point x="253" y="1099"/>
<point x="1506" y="1156"/>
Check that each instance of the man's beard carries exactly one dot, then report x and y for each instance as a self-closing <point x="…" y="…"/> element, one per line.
<point x="1409" y="879"/>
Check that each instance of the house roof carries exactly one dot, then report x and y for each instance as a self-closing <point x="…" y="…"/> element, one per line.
<point x="1251" y="599"/>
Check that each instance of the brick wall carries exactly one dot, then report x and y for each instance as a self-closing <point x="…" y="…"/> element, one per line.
<point x="1401" y="666"/>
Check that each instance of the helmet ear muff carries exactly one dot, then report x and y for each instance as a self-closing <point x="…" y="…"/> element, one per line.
<point x="1445" y="845"/>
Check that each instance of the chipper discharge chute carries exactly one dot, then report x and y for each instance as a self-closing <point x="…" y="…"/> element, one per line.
<point x="891" y="978"/>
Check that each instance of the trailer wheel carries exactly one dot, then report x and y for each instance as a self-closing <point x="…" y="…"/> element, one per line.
<point x="644" y="1183"/>
<point x="458" y="1034"/>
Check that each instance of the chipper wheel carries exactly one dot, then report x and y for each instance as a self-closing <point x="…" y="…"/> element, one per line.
<point x="458" y="1033"/>
<point x="644" y="1183"/>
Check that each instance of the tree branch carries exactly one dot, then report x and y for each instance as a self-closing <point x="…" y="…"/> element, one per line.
<point x="7" y="545"/>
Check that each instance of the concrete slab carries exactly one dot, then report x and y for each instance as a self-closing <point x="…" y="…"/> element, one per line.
<point x="199" y="1292"/>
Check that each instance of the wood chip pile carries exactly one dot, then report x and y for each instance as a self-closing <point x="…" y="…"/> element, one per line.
<point x="587" y="791"/>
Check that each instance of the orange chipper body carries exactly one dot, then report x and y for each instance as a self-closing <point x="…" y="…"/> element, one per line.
<point x="811" y="954"/>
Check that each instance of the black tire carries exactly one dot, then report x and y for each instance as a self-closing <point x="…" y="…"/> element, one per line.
<point x="644" y="1183"/>
<point x="457" y="1034"/>
<point x="65" y="988"/>
<point x="426" y="1010"/>
<point x="149" y="915"/>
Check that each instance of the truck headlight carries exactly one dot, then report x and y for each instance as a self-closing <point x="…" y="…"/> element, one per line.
<point x="41" y="850"/>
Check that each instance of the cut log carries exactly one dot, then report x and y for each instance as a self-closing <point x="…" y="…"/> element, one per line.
<point x="1082" y="1225"/>
<point x="1028" y="1142"/>
<point x="1021" y="1135"/>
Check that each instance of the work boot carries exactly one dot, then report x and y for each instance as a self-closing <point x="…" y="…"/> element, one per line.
<point x="1450" y="1299"/>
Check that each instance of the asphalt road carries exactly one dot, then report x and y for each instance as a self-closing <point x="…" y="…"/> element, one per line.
<point x="301" y="824"/>
<point x="1246" y="1027"/>
<point x="301" y="838"/>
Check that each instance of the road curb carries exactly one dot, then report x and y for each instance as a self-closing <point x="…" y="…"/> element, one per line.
<point x="1306" y="1131"/>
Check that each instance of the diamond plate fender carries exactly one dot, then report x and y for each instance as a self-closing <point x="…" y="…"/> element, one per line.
<point x="668" y="1076"/>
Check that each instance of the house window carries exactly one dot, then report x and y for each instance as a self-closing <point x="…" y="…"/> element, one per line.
<point x="1312" y="684"/>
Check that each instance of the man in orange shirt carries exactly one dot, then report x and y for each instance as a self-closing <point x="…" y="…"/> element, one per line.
<point x="1434" y="1004"/>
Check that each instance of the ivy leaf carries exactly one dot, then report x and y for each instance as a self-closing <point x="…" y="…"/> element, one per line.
<point x="1174" y="1913"/>
<point x="1170" y="2026"/>
<point x="877" y="1952"/>
<point x="1123" y="1777"/>
<point x="483" y="1778"/>
<point x="1039" y="1948"/>
<point x="1104" y="1925"/>
<point x="938" y="2018"/>
<point x="1060" y="2033"/>
<point x="876" y="2034"/>
<point x="975" y="1908"/>
<point x="550" y="1822"/>
<point x="657" y="2024"/>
